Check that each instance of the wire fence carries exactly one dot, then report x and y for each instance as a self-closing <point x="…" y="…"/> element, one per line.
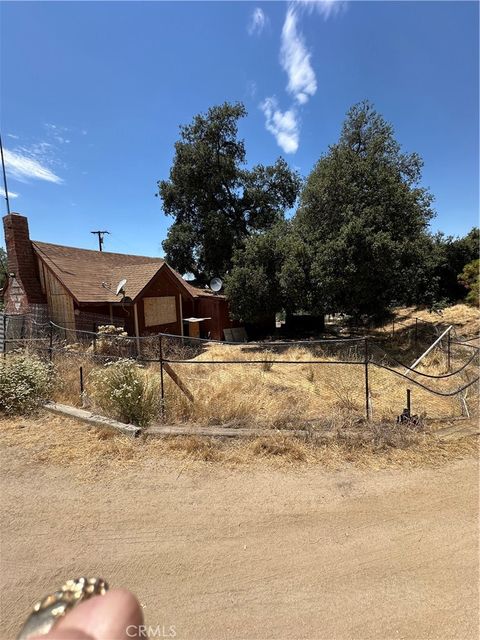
<point x="310" y="377"/>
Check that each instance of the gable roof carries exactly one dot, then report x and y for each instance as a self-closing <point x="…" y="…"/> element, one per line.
<point x="82" y="272"/>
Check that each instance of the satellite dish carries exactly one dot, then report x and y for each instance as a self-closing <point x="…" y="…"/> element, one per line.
<point x="216" y="284"/>
<point x="121" y="286"/>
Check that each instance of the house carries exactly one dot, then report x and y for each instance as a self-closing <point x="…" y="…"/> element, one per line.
<point x="76" y="289"/>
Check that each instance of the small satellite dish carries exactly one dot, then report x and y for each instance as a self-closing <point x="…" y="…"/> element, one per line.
<point x="216" y="284"/>
<point x="121" y="287"/>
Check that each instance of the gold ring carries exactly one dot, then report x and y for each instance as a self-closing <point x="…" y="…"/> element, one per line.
<point x="48" y="611"/>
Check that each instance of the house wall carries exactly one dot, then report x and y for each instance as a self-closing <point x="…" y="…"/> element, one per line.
<point x="164" y="284"/>
<point x="59" y="301"/>
<point x="215" y="308"/>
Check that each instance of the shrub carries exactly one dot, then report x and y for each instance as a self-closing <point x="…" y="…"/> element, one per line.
<point x="126" y="391"/>
<point x="25" y="383"/>
<point x="469" y="278"/>
<point x="111" y="340"/>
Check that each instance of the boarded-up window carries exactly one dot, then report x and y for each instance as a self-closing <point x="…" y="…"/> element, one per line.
<point x="160" y="310"/>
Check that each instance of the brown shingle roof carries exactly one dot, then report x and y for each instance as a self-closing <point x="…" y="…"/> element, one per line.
<point x="82" y="272"/>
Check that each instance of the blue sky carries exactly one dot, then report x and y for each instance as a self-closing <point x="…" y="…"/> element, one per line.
<point x="93" y="95"/>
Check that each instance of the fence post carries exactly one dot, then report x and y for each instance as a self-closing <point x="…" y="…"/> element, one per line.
<point x="94" y="343"/>
<point x="393" y="327"/>
<point x="449" y="339"/>
<point x="50" y="347"/>
<point x="409" y="404"/>
<point x="81" y="381"/>
<point x="162" y="390"/>
<point x="367" y="389"/>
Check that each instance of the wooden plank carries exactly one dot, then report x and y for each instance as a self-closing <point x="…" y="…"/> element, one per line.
<point x="219" y="432"/>
<point x="93" y="419"/>
<point x="168" y="369"/>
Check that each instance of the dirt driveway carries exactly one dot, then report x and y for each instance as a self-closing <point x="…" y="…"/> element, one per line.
<point x="253" y="552"/>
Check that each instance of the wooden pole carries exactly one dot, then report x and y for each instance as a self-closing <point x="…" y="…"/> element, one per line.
<point x="50" y="348"/>
<point x="181" y="313"/>
<point x="162" y="389"/>
<point x="177" y="381"/>
<point x="137" y="332"/>
<point x="367" y="390"/>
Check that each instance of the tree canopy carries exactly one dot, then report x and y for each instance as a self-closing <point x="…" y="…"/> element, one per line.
<point x="216" y="202"/>
<point x="364" y="218"/>
<point x="470" y="279"/>
<point x="266" y="277"/>
<point x="449" y="257"/>
<point x="358" y="242"/>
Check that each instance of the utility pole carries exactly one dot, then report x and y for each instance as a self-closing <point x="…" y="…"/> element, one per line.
<point x="100" y="235"/>
<point x="4" y="177"/>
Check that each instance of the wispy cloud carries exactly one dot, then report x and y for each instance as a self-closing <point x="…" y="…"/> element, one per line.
<point x="23" y="164"/>
<point x="295" y="60"/>
<point x="326" y="8"/>
<point x="257" y="23"/>
<point x="12" y="135"/>
<point x="284" y="125"/>
<point x="57" y="133"/>
<point x="11" y="194"/>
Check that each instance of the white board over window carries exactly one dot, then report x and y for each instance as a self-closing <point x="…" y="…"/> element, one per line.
<point x="161" y="310"/>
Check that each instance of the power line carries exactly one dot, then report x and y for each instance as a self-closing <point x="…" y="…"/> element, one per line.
<point x="100" y="235"/>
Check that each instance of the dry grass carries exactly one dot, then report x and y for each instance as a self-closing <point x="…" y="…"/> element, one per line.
<point x="465" y="318"/>
<point x="52" y="441"/>
<point x="285" y="396"/>
<point x="290" y="396"/>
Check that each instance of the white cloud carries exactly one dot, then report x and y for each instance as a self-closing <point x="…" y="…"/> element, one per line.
<point x="22" y="164"/>
<point x="11" y="194"/>
<point x="326" y="8"/>
<point x="257" y="23"/>
<point x="12" y="135"/>
<point x="284" y="125"/>
<point x="295" y="60"/>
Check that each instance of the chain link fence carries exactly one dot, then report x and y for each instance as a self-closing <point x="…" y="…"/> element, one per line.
<point x="277" y="382"/>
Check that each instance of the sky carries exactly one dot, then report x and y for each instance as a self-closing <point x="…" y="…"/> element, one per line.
<point x="93" y="94"/>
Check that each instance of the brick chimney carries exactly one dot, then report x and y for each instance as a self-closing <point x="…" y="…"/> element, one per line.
<point x="23" y="287"/>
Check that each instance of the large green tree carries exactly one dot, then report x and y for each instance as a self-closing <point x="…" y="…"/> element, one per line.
<point x="215" y="201"/>
<point x="266" y="276"/>
<point x="364" y="219"/>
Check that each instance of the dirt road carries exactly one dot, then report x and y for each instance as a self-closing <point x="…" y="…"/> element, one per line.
<point x="254" y="552"/>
